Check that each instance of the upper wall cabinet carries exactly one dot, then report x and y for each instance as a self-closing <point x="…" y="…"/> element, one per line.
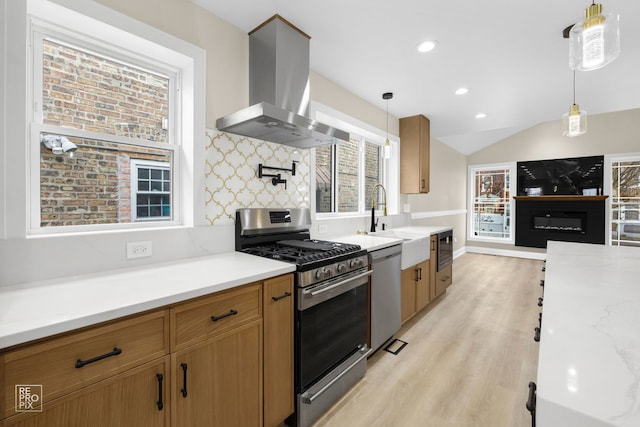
<point x="414" y="154"/>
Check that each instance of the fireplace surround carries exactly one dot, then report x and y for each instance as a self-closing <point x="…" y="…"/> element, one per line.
<point x="564" y="218"/>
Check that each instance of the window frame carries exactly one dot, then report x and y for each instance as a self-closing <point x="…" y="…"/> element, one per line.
<point x="609" y="161"/>
<point x="363" y="205"/>
<point x="135" y="165"/>
<point x="173" y="68"/>
<point x="471" y="174"/>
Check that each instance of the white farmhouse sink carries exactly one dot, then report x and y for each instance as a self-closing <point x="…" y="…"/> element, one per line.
<point x="415" y="247"/>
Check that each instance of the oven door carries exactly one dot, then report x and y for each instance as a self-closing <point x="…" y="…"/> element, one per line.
<point x="331" y="325"/>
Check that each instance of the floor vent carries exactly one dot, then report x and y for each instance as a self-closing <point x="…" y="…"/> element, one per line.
<point x="395" y="346"/>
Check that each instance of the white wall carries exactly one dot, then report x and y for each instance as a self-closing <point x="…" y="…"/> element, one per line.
<point x="445" y="204"/>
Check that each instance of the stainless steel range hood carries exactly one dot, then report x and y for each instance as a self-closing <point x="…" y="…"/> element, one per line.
<point x="279" y="90"/>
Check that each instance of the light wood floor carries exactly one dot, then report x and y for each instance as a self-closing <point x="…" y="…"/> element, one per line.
<point x="469" y="359"/>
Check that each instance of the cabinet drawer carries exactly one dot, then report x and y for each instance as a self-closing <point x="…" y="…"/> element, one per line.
<point x="66" y="363"/>
<point x="443" y="279"/>
<point x="212" y="315"/>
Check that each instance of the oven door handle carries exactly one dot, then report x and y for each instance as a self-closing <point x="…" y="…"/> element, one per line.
<point x="309" y="399"/>
<point x="335" y="285"/>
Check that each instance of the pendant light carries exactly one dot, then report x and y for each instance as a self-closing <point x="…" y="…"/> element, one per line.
<point x="574" y="123"/>
<point x="386" y="149"/>
<point x="594" y="42"/>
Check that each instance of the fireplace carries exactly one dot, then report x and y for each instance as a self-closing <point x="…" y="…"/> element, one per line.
<point x="569" y="222"/>
<point x="570" y="219"/>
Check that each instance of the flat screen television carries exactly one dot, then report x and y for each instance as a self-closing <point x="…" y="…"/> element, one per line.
<point x="572" y="176"/>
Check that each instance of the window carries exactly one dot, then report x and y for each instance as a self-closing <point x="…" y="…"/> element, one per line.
<point x="103" y="123"/>
<point x="346" y="174"/>
<point x="490" y="192"/>
<point x="625" y="201"/>
<point x="151" y="190"/>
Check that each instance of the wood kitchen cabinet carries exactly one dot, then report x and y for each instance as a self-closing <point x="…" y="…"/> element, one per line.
<point x="415" y="290"/>
<point x="414" y="154"/>
<point x="218" y="370"/>
<point x="102" y="376"/>
<point x="218" y="382"/>
<point x="443" y="279"/>
<point x="138" y="397"/>
<point x="278" y="349"/>
<point x="218" y="360"/>
<point x="433" y="263"/>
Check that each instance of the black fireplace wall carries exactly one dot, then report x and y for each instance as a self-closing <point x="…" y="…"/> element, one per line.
<point x="591" y="212"/>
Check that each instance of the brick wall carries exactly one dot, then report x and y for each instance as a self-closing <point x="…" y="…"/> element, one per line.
<point x="84" y="91"/>
<point x="347" y="176"/>
<point x="92" y="187"/>
<point x="88" y="92"/>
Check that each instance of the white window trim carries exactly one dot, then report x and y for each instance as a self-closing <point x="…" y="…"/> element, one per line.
<point x="89" y="18"/>
<point x="390" y="170"/>
<point x="471" y="191"/>
<point x="607" y="185"/>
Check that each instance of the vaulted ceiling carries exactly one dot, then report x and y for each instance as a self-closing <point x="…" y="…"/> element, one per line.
<point x="510" y="54"/>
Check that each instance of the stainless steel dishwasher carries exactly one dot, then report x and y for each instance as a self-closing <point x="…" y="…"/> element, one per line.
<point x="385" y="294"/>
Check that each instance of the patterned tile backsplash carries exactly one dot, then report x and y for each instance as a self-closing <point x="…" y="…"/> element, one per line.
<point x="232" y="182"/>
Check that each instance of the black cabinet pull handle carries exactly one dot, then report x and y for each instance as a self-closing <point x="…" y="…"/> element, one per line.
<point x="420" y="273"/>
<point x="540" y="320"/>
<point x="183" y="390"/>
<point x="544" y="268"/>
<point x="80" y="363"/>
<point x="531" y="403"/>
<point x="540" y="302"/>
<point x="160" y="403"/>
<point x="278" y="298"/>
<point x="542" y="282"/>
<point x="536" y="334"/>
<point x="222" y="316"/>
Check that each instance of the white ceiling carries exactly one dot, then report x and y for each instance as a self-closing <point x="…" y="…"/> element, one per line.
<point x="510" y="54"/>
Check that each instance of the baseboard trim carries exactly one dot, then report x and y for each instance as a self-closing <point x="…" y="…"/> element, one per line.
<point x="504" y="252"/>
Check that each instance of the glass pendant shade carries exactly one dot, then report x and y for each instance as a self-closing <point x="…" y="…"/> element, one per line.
<point x="386" y="150"/>
<point x="574" y="122"/>
<point x="595" y="42"/>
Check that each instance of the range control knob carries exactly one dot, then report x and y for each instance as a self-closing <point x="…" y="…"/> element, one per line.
<point x="327" y="272"/>
<point x="353" y="263"/>
<point x="319" y="274"/>
<point x="341" y="268"/>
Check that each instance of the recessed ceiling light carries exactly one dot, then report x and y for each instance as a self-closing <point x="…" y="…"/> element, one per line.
<point x="427" y="46"/>
<point x="481" y="115"/>
<point x="461" y="91"/>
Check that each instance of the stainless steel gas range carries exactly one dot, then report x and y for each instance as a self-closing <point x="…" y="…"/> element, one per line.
<point x="331" y="304"/>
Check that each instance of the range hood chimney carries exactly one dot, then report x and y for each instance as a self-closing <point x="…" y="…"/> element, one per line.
<point x="279" y="90"/>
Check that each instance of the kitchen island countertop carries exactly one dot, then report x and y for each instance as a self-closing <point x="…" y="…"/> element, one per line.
<point x="589" y="361"/>
<point x="31" y="311"/>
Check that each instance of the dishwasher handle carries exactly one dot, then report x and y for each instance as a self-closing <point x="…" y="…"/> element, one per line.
<point x="385" y="253"/>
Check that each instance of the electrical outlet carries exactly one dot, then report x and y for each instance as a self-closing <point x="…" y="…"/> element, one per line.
<point x="322" y="228"/>
<point x="138" y="249"/>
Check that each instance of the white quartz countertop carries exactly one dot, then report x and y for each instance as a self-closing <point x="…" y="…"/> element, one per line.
<point x="36" y="310"/>
<point x="589" y="361"/>
<point x="372" y="242"/>
<point x="368" y="241"/>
